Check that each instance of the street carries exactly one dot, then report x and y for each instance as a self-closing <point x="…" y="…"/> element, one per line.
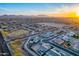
<point x="3" y="47"/>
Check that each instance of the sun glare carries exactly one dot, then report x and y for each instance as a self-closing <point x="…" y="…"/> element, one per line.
<point x="77" y="13"/>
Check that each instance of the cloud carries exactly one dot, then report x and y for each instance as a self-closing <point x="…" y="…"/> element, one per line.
<point x="3" y="11"/>
<point x="66" y="8"/>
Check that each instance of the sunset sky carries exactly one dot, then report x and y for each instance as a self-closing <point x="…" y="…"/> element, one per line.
<point x="49" y="9"/>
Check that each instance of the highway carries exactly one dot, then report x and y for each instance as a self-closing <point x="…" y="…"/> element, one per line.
<point x="65" y="49"/>
<point x="3" y="47"/>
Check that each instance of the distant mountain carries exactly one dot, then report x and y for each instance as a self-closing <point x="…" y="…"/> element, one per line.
<point x="13" y="16"/>
<point x="42" y="18"/>
<point x="42" y="15"/>
<point x="21" y="16"/>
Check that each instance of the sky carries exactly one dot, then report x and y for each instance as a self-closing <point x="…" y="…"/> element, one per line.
<point x="50" y="9"/>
